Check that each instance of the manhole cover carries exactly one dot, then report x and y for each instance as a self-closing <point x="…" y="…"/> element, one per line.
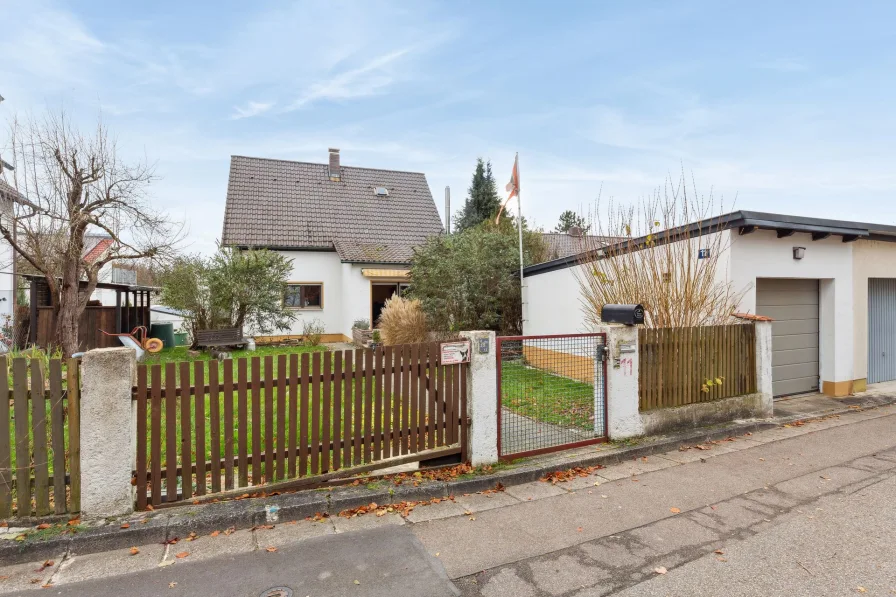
<point x="277" y="592"/>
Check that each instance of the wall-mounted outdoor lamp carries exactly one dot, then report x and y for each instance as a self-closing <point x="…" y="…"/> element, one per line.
<point x="799" y="252"/>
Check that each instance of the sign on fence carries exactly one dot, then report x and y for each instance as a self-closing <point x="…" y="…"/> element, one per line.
<point x="455" y="353"/>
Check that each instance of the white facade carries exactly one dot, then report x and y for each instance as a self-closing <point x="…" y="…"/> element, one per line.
<point x="553" y="302"/>
<point x="346" y="292"/>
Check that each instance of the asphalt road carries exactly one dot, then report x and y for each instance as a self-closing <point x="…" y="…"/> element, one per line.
<point x="384" y="562"/>
<point x="794" y="511"/>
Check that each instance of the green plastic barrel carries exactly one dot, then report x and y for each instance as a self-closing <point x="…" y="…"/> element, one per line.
<point x="180" y="339"/>
<point x="164" y="332"/>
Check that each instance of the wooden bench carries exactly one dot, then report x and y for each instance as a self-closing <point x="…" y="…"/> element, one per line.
<point x="224" y="337"/>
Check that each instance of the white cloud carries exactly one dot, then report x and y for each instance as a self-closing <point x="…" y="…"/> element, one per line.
<point x="251" y="109"/>
<point x="366" y="80"/>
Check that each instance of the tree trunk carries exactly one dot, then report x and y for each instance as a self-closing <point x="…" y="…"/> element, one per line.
<point x="68" y="315"/>
<point x="67" y="320"/>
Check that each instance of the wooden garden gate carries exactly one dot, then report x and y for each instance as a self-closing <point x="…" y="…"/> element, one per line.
<point x="293" y="420"/>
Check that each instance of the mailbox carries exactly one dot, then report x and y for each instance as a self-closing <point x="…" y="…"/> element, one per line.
<point x="627" y="314"/>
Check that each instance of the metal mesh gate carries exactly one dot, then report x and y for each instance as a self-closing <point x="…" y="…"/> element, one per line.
<point x="551" y="393"/>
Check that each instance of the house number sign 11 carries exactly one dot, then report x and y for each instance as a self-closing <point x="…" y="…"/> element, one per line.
<point x="455" y="353"/>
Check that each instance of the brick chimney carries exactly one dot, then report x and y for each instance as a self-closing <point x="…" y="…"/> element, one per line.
<point x="335" y="170"/>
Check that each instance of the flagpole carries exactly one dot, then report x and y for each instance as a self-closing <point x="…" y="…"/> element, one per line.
<point x="519" y="202"/>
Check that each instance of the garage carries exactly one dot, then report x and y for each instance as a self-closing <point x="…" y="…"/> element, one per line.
<point x="793" y="305"/>
<point x="881" y="329"/>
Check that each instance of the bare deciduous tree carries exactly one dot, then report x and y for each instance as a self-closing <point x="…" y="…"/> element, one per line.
<point x="68" y="185"/>
<point x="668" y="257"/>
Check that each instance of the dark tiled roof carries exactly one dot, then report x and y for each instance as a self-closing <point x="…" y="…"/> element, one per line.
<point x="284" y="204"/>
<point x="561" y="244"/>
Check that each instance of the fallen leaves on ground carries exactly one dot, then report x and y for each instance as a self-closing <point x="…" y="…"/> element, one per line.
<point x="357" y="582"/>
<point x="675" y="510"/>
<point x="660" y="570"/>
<point x="214" y="533"/>
<point x="182" y="555"/>
<point x="270" y="549"/>
<point x="172" y="541"/>
<point x="134" y="551"/>
<point x="569" y="474"/>
<point x="191" y="536"/>
<point x="171" y="585"/>
<point x="861" y="589"/>
<point x="403" y="508"/>
<point x="43" y="526"/>
<point x="721" y="559"/>
<point x="230" y="530"/>
<point x="719" y="552"/>
<point x="262" y="527"/>
<point x="45" y="565"/>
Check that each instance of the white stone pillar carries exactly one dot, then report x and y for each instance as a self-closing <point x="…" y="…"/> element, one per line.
<point x="482" y="398"/>
<point x="763" y="332"/>
<point x="107" y="432"/>
<point x="623" y="416"/>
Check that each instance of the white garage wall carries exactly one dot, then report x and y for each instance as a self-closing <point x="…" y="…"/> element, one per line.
<point x="552" y="304"/>
<point x="318" y="266"/>
<point x="871" y="259"/>
<point x="763" y="254"/>
<point x="553" y="300"/>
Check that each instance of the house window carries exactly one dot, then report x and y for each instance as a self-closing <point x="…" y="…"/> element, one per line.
<point x="304" y="296"/>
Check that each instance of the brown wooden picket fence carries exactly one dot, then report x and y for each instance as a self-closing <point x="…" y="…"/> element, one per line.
<point x="40" y="471"/>
<point x="262" y="420"/>
<point x="679" y="366"/>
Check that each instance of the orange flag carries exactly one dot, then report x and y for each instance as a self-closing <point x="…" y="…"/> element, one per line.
<point x="513" y="187"/>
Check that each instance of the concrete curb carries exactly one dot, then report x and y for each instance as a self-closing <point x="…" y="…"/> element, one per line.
<point x="168" y="523"/>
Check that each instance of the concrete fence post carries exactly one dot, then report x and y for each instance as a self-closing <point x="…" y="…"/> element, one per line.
<point x="107" y="432"/>
<point x="482" y="398"/>
<point x="763" y="332"/>
<point x="623" y="416"/>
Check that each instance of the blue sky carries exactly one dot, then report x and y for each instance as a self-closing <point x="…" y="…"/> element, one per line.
<point x="785" y="106"/>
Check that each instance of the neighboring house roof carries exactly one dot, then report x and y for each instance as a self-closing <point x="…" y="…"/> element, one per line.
<point x="745" y="222"/>
<point x="95" y="247"/>
<point x="563" y="244"/>
<point x="295" y="205"/>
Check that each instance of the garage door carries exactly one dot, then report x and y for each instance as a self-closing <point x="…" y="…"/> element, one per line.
<point x="881" y="329"/>
<point x="793" y="304"/>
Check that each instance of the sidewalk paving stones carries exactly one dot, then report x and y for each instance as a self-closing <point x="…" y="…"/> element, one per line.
<point x="535" y="490"/>
<point x="479" y="502"/>
<point x="76" y="568"/>
<point x="27" y="576"/>
<point x="444" y="509"/>
<point x="286" y="533"/>
<point x="367" y="521"/>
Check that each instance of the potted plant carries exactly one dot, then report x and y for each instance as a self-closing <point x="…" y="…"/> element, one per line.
<point x="375" y="340"/>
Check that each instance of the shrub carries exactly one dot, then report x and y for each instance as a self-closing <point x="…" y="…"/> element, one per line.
<point x="402" y="321"/>
<point x="361" y="324"/>
<point x="312" y="330"/>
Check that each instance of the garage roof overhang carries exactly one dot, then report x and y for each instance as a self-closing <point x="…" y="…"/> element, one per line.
<point x="746" y="222"/>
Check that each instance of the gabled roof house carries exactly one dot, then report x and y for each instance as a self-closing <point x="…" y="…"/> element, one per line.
<point x="350" y="232"/>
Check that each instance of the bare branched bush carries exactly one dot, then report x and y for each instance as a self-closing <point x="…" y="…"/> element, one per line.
<point x="670" y="256"/>
<point x="312" y="331"/>
<point x="402" y="321"/>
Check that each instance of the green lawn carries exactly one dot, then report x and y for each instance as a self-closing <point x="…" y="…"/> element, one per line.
<point x="181" y="354"/>
<point x="546" y="397"/>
